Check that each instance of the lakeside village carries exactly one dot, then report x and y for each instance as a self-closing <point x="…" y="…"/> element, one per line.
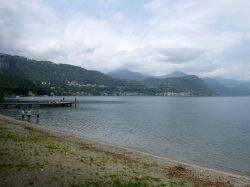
<point x="104" y="93"/>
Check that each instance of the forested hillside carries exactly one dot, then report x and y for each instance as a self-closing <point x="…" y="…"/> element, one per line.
<point x="23" y="76"/>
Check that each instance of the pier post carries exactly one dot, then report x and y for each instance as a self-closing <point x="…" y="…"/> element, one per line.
<point x="75" y="101"/>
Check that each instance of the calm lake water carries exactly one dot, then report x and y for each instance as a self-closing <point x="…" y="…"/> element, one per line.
<point x="208" y="131"/>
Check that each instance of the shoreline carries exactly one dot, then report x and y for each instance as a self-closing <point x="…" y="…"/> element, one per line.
<point x="203" y="175"/>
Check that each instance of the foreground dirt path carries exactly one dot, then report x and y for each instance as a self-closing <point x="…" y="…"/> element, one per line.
<point x="33" y="156"/>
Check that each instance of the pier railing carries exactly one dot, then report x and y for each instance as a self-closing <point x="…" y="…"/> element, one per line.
<point x="41" y="104"/>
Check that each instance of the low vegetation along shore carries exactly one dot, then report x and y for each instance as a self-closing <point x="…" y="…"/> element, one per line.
<point x="35" y="156"/>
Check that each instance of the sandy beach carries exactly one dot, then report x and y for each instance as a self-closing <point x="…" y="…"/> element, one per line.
<point x="31" y="155"/>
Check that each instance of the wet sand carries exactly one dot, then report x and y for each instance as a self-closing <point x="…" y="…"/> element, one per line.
<point x="31" y="155"/>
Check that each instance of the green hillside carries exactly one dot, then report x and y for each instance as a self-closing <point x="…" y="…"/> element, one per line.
<point x="50" y="72"/>
<point x="10" y="85"/>
<point x="55" y="79"/>
<point x="20" y="75"/>
<point x="190" y="83"/>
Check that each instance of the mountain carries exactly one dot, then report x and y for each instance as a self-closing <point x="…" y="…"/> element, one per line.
<point x="58" y="79"/>
<point x="10" y="84"/>
<point x="50" y="72"/>
<point x="222" y="86"/>
<point x="20" y="75"/>
<point x="127" y="74"/>
<point x="174" y="74"/>
<point x="228" y="82"/>
<point x="190" y="83"/>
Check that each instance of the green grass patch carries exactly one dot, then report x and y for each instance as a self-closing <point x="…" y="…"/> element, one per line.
<point x="7" y="135"/>
<point x="146" y="165"/>
<point x="172" y="183"/>
<point x="29" y="128"/>
<point x="34" y="139"/>
<point x="48" y="142"/>
<point x="22" y="166"/>
<point x="53" y="145"/>
<point x="114" y="184"/>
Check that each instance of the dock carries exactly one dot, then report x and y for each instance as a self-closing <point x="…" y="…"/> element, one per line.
<point x="42" y="104"/>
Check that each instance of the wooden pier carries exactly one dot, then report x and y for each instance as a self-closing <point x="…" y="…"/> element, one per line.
<point x="41" y="104"/>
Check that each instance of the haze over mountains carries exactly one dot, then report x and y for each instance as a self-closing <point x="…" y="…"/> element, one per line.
<point x="174" y="74"/>
<point x="218" y="85"/>
<point x="131" y="75"/>
<point x="223" y="86"/>
<point x="126" y="74"/>
<point x="22" y="76"/>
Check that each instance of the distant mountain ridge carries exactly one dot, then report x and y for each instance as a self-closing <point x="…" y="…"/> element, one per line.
<point x="218" y="85"/>
<point x="50" y="72"/>
<point x="176" y="82"/>
<point x="127" y="74"/>
<point x="222" y="86"/>
<point x="174" y="74"/>
<point x="20" y="75"/>
<point x="131" y="75"/>
<point x="190" y="83"/>
<point x="51" y="78"/>
<point x="228" y="82"/>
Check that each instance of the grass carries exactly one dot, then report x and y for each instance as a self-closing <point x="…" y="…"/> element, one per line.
<point x="28" y="128"/>
<point x="6" y="135"/>
<point x="48" y="142"/>
<point x="143" y="182"/>
<point x="115" y="184"/>
<point x="53" y="145"/>
<point x="23" y="166"/>
<point x="25" y="150"/>
<point x="172" y="183"/>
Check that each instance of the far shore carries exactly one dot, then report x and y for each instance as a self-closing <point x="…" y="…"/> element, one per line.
<point x="32" y="155"/>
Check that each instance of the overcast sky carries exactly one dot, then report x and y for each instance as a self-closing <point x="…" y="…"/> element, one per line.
<point x="202" y="37"/>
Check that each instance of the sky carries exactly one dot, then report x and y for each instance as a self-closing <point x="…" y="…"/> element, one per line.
<point x="207" y="38"/>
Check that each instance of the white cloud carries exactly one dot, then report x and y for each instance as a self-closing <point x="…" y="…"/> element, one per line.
<point x="192" y="36"/>
<point x="212" y="26"/>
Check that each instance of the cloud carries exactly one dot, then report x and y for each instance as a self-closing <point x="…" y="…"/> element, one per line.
<point x="6" y="9"/>
<point x="180" y="55"/>
<point x="199" y="37"/>
<point x="210" y="26"/>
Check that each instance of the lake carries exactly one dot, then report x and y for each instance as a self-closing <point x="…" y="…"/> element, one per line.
<point x="207" y="131"/>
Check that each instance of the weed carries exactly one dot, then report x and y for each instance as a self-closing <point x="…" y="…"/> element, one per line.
<point x="53" y="145"/>
<point x="28" y="128"/>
